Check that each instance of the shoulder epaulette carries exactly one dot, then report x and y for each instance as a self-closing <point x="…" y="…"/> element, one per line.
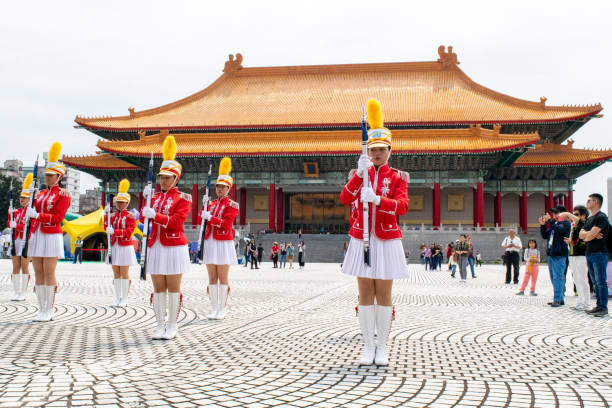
<point x="64" y="192"/>
<point x="404" y="175"/>
<point x="351" y="173"/>
<point x="186" y="197"/>
<point x="234" y="204"/>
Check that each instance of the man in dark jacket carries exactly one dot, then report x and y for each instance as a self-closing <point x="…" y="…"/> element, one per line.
<point x="556" y="230"/>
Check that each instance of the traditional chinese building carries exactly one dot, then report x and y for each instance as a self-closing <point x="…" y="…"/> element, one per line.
<point x="475" y="156"/>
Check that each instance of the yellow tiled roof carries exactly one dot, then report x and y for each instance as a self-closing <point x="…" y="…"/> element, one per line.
<point x="472" y="140"/>
<point x="99" y="161"/>
<point x="548" y="154"/>
<point x="411" y="93"/>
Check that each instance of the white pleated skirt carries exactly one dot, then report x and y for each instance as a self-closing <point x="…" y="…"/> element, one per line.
<point x="217" y="252"/>
<point x="123" y="255"/>
<point x="168" y="260"/>
<point x="18" y="246"/>
<point x="46" y="245"/>
<point x="387" y="259"/>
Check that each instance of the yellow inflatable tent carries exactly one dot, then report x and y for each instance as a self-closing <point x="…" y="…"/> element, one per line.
<point x="87" y="225"/>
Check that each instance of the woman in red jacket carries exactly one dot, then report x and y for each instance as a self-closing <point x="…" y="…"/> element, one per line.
<point x="21" y="273"/>
<point x="387" y="197"/>
<point x="46" y="244"/>
<point x="219" y="250"/>
<point x="121" y="228"/>
<point x="168" y="254"/>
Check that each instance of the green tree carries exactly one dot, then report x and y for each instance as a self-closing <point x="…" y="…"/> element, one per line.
<point x="5" y="184"/>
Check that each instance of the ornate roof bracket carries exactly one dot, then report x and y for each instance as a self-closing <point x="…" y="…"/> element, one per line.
<point x="447" y="58"/>
<point x="233" y="65"/>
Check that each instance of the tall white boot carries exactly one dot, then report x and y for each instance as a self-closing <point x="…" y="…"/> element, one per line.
<point x="222" y="302"/>
<point x="16" y="278"/>
<point x="213" y="295"/>
<point x="366" y="321"/>
<point x="159" y="307"/>
<point x="117" y="285"/>
<point x="125" y="290"/>
<point x="384" y="315"/>
<point x="40" y="297"/>
<point x="50" y="301"/>
<point x="175" y="300"/>
<point x="24" y="280"/>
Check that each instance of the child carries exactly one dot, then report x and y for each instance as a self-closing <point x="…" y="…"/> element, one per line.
<point x="531" y="260"/>
<point x="452" y="262"/>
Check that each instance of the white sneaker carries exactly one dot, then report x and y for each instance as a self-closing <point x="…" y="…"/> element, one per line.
<point x="384" y="314"/>
<point x="213" y="295"/>
<point x="223" y="295"/>
<point x="174" y="308"/>
<point x="367" y="319"/>
<point x="159" y="307"/>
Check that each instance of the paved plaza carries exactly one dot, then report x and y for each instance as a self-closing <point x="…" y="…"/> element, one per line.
<point x="291" y="339"/>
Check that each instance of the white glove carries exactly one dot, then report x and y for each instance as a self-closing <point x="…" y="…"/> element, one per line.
<point x="369" y="196"/>
<point x="148" y="212"/>
<point x="206" y="215"/>
<point x="363" y="164"/>
<point x="31" y="213"/>
<point x="204" y="200"/>
<point x="13" y="224"/>
<point x="147" y="191"/>
<point x="110" y="230"/>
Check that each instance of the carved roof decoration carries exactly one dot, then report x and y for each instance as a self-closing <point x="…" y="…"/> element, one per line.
<point x="474" y="140"/>
<point x="331" y="96"/>
<point x="551" y="154"/>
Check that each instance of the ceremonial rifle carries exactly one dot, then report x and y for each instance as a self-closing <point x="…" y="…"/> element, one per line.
<point x="28" y="220"/>
<point x="145" y="233"/>
<point x="204" y="222"/>
<point x="109" y="257"/>
<point x="11" y="211"/>
<point x="366" y="183"/>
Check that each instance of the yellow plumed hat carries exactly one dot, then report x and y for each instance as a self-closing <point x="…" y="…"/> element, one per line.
<point x="27" y="183"/>
<point x="225" y="167"/>
<point x="123" y="195"/>
<point x="378" y="135"/>
<point x="170" y="167"/>
<point x="53" y="164"/>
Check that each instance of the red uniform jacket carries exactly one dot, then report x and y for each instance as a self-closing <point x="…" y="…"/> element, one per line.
<point x="220" y="225"/>
<point x="123" y="224"/>
<point x="19" y="218"/>
<point x="392" y="187"/>
<point x="51" y="205"/>
<point x="172" y="209"/>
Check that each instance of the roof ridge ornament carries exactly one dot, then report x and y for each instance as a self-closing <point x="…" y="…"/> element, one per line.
<point x="131" y="110"/>
<point x="447" y="58"/>
<point x="233" y="65"/>
<point x="543" y="100"/>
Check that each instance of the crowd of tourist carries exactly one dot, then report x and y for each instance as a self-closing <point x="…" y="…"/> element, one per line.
<point x="459" y="255"/>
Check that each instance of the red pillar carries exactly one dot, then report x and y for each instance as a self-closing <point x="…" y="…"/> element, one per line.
<point x="194" y="204"/>
<point x="280" y="214"/>
<point x="234" y="196"/>
<point x="570" y="200"/>
<point x="480" y="207"/>
<point x="474" y="207"/>
<point x="243" y="206"/>
<point x="523" y="207"/>
<point x="103" y="199"/>
<point x="271" y="207"/>
<point x="436" y="206"/>
<point x="112" y="199"/>
<point x="550" y="201"/>
<point x="497" y="210"/>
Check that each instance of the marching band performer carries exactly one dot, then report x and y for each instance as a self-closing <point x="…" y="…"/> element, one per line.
<point x="168" y="256"/>
<point x="387" y="197"/>
<point x="219" y="250"/>
<point x="121" y="227"/>
<point x="46" y="244"/>
<point x="21" y="272"/>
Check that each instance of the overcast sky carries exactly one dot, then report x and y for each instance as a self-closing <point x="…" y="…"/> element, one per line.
<point x="63" y="58"/>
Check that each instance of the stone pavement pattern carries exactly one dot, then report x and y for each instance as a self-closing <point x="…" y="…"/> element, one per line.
<point x="291" y="339"/>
